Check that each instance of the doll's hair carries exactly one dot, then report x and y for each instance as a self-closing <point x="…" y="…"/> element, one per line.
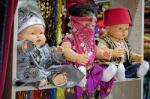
<point x="84" y="9"/>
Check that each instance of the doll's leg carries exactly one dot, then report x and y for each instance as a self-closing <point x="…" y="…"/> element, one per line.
<point x="120" y="72"/>
<point x="109" y="73"/>
<point x="83" y="81"/>
<point x="142" y="70"/>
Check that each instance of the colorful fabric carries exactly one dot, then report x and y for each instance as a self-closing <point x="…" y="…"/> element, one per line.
<point x="7" y="39"/>
<point x="107" y="42"/>
<point x="115" y="16"/>
<point x="83" y="37"/>
<point x="93" y="80"/>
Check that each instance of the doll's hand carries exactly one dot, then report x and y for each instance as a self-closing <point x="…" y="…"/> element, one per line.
<point x="118" y="52"/>
<point x="59" y="49"/>
<point x="138" y="58"/>
<point x="43" y="83"/>
<point x="82" y="59"/>
<point x="107" y="54"/>
<point x="27" y="45"/>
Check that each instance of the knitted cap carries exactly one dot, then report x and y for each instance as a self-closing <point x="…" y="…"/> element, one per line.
<point x="29" y="14"/>
<point x="114" y="16"/>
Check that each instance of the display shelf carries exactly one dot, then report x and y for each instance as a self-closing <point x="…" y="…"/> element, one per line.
<point x="136" y="7"/>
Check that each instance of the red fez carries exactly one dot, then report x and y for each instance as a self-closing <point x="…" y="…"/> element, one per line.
<point x="114" y="16"/>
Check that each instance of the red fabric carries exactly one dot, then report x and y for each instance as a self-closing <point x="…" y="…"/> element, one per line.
<point x="115" y="16"/>
<point x="8" y="34"/>
<point x="83" y="37"/>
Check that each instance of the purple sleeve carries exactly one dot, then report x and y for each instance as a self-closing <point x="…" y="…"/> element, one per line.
<point x="68" y="39"/>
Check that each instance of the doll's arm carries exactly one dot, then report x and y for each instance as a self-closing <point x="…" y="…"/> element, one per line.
<point x="24" y="46"/>
<point x="59" y="49"/>
<point x="108" y="53"/>
<point x="72" y="56"/>
<point x="118" y="52"/>
<point x="103" y="53"/>
<point x="136" y="57"/>
<point x="51" y="55"/>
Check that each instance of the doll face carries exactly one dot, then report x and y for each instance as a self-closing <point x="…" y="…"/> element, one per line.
<point x="89" y="24"/>
<point x="118" y="32"/>
<point x="33" y="33"/>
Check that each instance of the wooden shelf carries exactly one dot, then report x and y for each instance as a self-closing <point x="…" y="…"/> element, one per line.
<point x="28" y="88"/>
<point x="101" y="1"/>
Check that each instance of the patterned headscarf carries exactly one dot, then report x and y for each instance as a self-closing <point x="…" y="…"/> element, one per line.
<point x="83" y="36"/>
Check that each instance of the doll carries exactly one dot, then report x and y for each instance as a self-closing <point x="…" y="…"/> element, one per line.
<point x="37" y="62"/>
<point x="129" y="64"/>
<point x="80" y="48"/>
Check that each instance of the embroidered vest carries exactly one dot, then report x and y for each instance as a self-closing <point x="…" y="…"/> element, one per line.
<point x="111" y="45"/>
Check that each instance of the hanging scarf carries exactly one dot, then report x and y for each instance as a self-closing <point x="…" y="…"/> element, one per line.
<point x="83" y="37"/>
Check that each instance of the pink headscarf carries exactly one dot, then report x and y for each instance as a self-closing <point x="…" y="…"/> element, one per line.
<point x="83" y="37"/>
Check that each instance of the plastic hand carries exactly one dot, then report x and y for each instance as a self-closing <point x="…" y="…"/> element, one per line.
<point x="138" y="58"/>
<point x="107" y="54"/>
<point x="43" y="83"/>
<point x="118" y="52"/>
<point x="27" y="46"/>
<point x="82" y="59"/>
<point x="59" y="49"/>
<point x="60" y="79"/>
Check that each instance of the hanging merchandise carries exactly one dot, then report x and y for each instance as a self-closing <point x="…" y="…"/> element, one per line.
<point x="59" y="22"/>
<point x="46" y="7"/>
<point x="52" y="13"/>
<point x="60" y="93"/>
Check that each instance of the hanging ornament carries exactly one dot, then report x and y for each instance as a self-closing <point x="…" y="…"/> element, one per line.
<point x="46" y="7"/>
<point x="59" y="22"/>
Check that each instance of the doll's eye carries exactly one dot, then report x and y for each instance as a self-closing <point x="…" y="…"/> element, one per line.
<point x="120" y="28"/>
<point x="41" y="33"/>
<point x="126" y="29"/>
<point x="32" y="33"/>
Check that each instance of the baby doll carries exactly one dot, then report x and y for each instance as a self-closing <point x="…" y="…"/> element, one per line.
<point x="129" y="64"/>
<point x="36" y="61"/>
<point x="80" y="48"/>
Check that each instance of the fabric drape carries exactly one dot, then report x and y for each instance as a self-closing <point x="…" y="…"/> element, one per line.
<point x="8" y="31"/>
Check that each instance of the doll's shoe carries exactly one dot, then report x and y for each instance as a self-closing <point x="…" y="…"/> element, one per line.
<point x="60" y="79"/>
<point x="82" y="83"/>
<point x="109" y="73"/>
<point x="143" y="69"/>
<point x="120" y="72"/>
